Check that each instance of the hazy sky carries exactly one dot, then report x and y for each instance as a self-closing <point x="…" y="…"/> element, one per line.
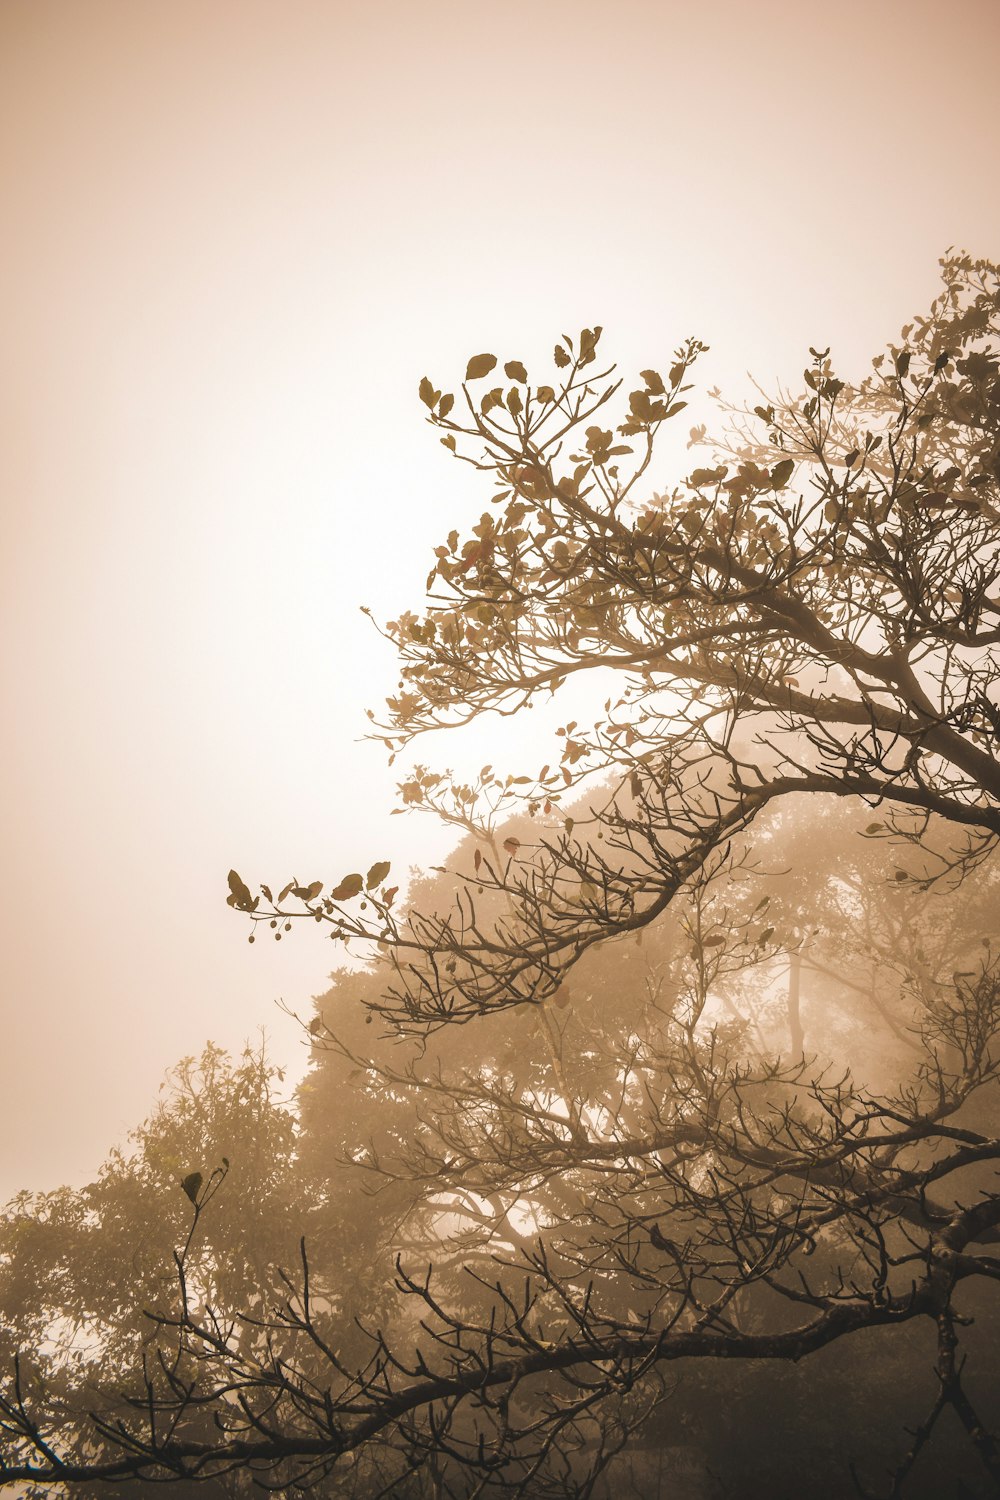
<point x="235" y="235"/>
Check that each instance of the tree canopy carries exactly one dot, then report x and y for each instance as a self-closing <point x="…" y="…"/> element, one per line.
<point x="604" y="1120"/>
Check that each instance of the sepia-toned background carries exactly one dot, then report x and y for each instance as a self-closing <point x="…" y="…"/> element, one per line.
<point x="235" y="235"/>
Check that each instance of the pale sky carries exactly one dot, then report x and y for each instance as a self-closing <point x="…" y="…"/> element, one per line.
<point x="235" y="236"/>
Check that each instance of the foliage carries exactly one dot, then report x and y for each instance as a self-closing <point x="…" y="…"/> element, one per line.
<point x="643" y="1159"/>
<point x="85" y="1272"/>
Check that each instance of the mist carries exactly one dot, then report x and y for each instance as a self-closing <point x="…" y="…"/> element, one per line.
<point x="238" y="239"/>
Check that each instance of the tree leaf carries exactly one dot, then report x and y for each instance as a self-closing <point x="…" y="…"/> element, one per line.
<point x="308" y="892"/>
<point x="480" y="365"/>
<point x="428" y="394"/>
<point x="351" y="885"/>
<point x="192" y="1185"/>
<point x="514" y="370"/>
<point x="377" y="874"/>
<point x="239" y="894"/>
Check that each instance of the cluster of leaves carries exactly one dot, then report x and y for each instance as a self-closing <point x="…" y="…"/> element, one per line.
<point x="371" y="886"/>
<point x="820" y="618"/>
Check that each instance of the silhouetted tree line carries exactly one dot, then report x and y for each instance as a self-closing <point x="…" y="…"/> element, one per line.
<point x="654" y="1148"/>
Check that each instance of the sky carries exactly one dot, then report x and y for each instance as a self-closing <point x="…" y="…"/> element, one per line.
<point x="236" y="234"/>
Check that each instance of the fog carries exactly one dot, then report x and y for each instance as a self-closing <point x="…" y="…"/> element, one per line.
<point x="235" y="238"/>
<point x="237" y="235"/>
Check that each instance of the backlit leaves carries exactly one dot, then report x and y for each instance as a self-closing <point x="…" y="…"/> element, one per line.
<point x="191" y="1185"/>
<point x="588" y="344"/>
<point x="308" y="892"/>
<point x="239" y="894"/>
<point x="480" y="365"/>
<point x="702" y="478"/>
<point x="580" y="563"/>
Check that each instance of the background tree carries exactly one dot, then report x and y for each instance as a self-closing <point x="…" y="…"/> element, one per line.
<point x="81" y="1269"/>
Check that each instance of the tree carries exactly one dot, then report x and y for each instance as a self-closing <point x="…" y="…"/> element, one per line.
<point x="811" y="614"/>
<point x="80" y="1267"/>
